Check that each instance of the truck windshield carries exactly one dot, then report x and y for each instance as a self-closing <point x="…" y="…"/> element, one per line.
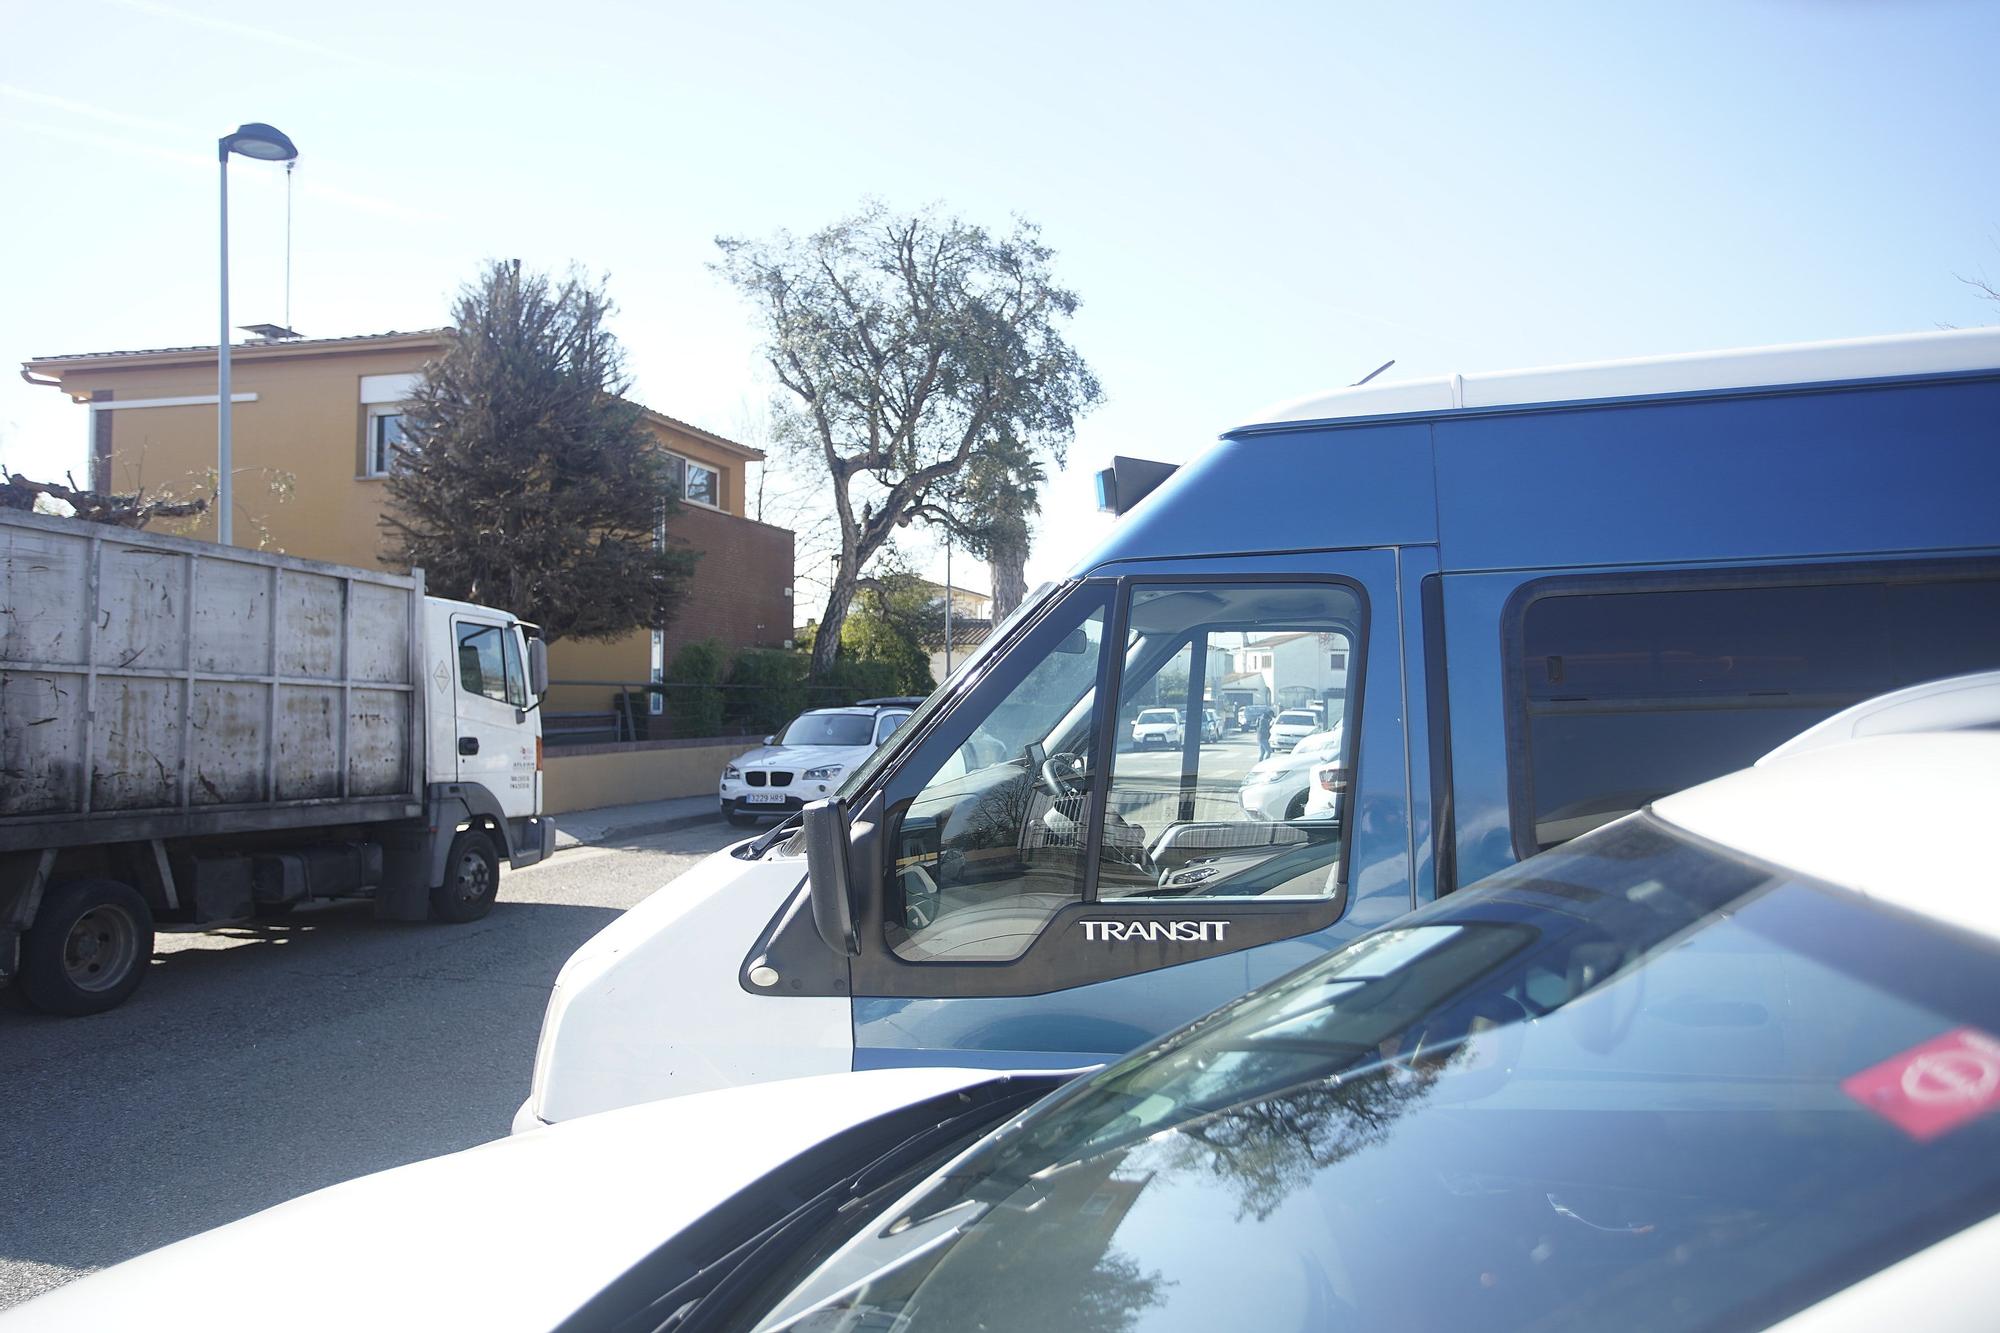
<point x="829" y="729"/>
<point x="1634" y="1083"/>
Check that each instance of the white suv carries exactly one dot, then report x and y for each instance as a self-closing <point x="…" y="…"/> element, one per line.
<point x="808" y="759"/>
<point x="1292" y="726"/>
<point x="1156" y="726"/>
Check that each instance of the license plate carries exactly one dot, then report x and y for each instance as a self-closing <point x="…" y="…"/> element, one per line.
<point x="764" y="798"/>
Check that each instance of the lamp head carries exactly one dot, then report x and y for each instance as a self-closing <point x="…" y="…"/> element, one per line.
<point x="264" y="142"/>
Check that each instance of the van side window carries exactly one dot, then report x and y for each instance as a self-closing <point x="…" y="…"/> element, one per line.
<point x="992" y="844"/>
<point x="1631" y="694"/>
<point x="1255" y="811"/>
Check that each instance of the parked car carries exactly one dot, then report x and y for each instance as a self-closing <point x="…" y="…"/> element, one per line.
<point x="1156" y="726"/>
<point x="808" y="759"/>
<point x="1278" y="787"/>
<point x="1292" y="726"/>
<point x="1728" y="1062"/>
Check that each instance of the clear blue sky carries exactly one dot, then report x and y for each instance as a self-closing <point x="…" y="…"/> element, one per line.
<point x="1255" y="201"/>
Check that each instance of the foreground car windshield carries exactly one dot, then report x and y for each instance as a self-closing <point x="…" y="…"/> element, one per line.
<point x="1635" y="1083"/>
<point x="829" y="729"/>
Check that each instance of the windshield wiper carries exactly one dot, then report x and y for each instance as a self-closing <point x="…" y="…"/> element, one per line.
<point x="702" y="1288"/>
<point x="764" y="842"/>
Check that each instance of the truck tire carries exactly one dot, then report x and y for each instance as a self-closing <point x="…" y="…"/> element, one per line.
<point x="471" y="879"/>
<point x="88" y="949"/>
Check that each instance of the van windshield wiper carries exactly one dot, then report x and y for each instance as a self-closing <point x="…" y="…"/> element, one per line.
<point x="764" y="842"/>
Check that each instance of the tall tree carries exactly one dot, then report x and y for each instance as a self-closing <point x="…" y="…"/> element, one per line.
<point x="527" y="480"/>
<point x="905" y="342"/>
<point x="990" y="508"/>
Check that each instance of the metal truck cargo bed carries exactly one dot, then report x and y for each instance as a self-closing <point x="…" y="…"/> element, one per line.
<point x="152" y="686"/>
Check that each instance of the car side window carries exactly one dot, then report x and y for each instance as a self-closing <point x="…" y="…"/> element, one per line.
<point x="886" y="728"/>
<point x="1257" y="812"/>
<point x="991" y="845"/>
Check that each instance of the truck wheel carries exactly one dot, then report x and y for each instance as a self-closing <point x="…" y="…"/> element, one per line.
<point x="471" y="879"/>
<point x="88" y="949"/>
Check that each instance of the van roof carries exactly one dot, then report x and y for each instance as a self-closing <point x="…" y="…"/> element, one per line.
<point x="1896" y="356"/>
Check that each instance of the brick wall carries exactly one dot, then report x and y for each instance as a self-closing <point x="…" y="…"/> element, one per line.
<point x="738" y="594"/>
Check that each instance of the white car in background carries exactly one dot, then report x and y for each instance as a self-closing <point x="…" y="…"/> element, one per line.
<point x="1731" y="1061"/>
<point x="1278" y="787"/>
<point x="1292" y="726"/>
<point x="808" y="759"/>
<point x="1156" y="726"/>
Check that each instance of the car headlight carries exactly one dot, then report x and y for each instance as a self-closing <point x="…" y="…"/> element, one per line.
<point x="827" y="774"/>
<point x="731" y="773"/>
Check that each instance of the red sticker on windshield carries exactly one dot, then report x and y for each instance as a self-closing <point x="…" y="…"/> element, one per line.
<point x="1934" y="1088"/>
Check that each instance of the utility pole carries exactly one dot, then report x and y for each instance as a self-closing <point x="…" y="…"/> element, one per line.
<point x="947" y="605"/>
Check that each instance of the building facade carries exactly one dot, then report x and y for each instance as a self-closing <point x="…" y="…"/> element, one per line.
<point x="313" y="423"/>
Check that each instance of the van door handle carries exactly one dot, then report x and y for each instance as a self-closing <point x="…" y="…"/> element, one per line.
<point x="468" y="745"/>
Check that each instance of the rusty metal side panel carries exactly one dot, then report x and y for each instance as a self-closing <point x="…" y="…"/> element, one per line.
<point x="42" y="580"/>
<point x="377" y="742"/>
<point x="141" y="597"/>
<point x="232" y="619"/>
<point x="311" y="611"/>
<point x="227" y="733"/>
<point x="308" y="752"/>
<point x="41" y="741"/>
<point x="135" y="743"/>
<point x="381" y="636"/>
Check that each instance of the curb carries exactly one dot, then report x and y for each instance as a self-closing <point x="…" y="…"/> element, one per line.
<point x="644" y="830"/>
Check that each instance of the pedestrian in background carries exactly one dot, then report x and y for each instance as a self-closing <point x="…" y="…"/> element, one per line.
<point x="1263" y="735"/>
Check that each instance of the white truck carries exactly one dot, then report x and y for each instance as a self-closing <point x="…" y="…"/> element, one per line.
<point x="193" y="734"/>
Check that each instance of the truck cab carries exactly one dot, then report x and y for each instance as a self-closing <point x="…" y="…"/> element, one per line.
<point x="1526" y="603"/>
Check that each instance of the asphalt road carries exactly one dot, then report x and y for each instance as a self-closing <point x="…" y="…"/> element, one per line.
<point x="256" y="1064"/>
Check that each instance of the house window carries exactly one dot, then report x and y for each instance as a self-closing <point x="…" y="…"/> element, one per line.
<point x="1336" y="661"/>
<point x="696" y="482"/>
<point x="702" y="487"/>
<point x="386" y="442"/>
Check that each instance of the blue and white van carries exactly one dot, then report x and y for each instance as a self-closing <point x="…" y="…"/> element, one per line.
<point x="1531" y="601"/>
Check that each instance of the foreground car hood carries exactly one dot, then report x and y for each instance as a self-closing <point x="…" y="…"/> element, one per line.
<point x="511" y="1235"/>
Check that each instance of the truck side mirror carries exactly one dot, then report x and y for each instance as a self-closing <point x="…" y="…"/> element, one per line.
<point x="826" y="875"/>
<point x="538" y="667"/>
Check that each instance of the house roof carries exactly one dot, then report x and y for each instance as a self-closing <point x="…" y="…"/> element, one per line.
<point x="1242" y="675"/>
<point x="248" y="350"/>
<point x="353" y="342"/>
<point x="1274" y="640"/>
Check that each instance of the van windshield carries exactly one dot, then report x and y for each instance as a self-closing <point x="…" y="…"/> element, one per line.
<point x="914" y="725"/>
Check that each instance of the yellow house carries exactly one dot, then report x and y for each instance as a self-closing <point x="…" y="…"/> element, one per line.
<point x="312" y="421"/>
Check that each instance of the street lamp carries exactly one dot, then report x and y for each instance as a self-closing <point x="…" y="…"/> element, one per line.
<point x="266" y="144"/>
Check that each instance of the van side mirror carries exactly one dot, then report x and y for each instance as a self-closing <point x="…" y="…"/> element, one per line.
<point x="1074" y="643"/>
<point x="538" y="667"/>
<point x="826" y="875"/>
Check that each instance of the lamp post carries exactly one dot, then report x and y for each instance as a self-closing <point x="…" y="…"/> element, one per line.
<point x="266" y="144"/>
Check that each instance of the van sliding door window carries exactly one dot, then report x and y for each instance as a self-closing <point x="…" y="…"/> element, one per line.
<point x="992" y="844"/>
<point x="1637" y="691"/>
<point x="1235" y="747"/>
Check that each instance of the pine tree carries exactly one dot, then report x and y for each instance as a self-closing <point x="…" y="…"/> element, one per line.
<point x="527" y="481"/>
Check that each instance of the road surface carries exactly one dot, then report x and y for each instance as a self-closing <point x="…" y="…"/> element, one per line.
<point x="256" y="1064"/>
